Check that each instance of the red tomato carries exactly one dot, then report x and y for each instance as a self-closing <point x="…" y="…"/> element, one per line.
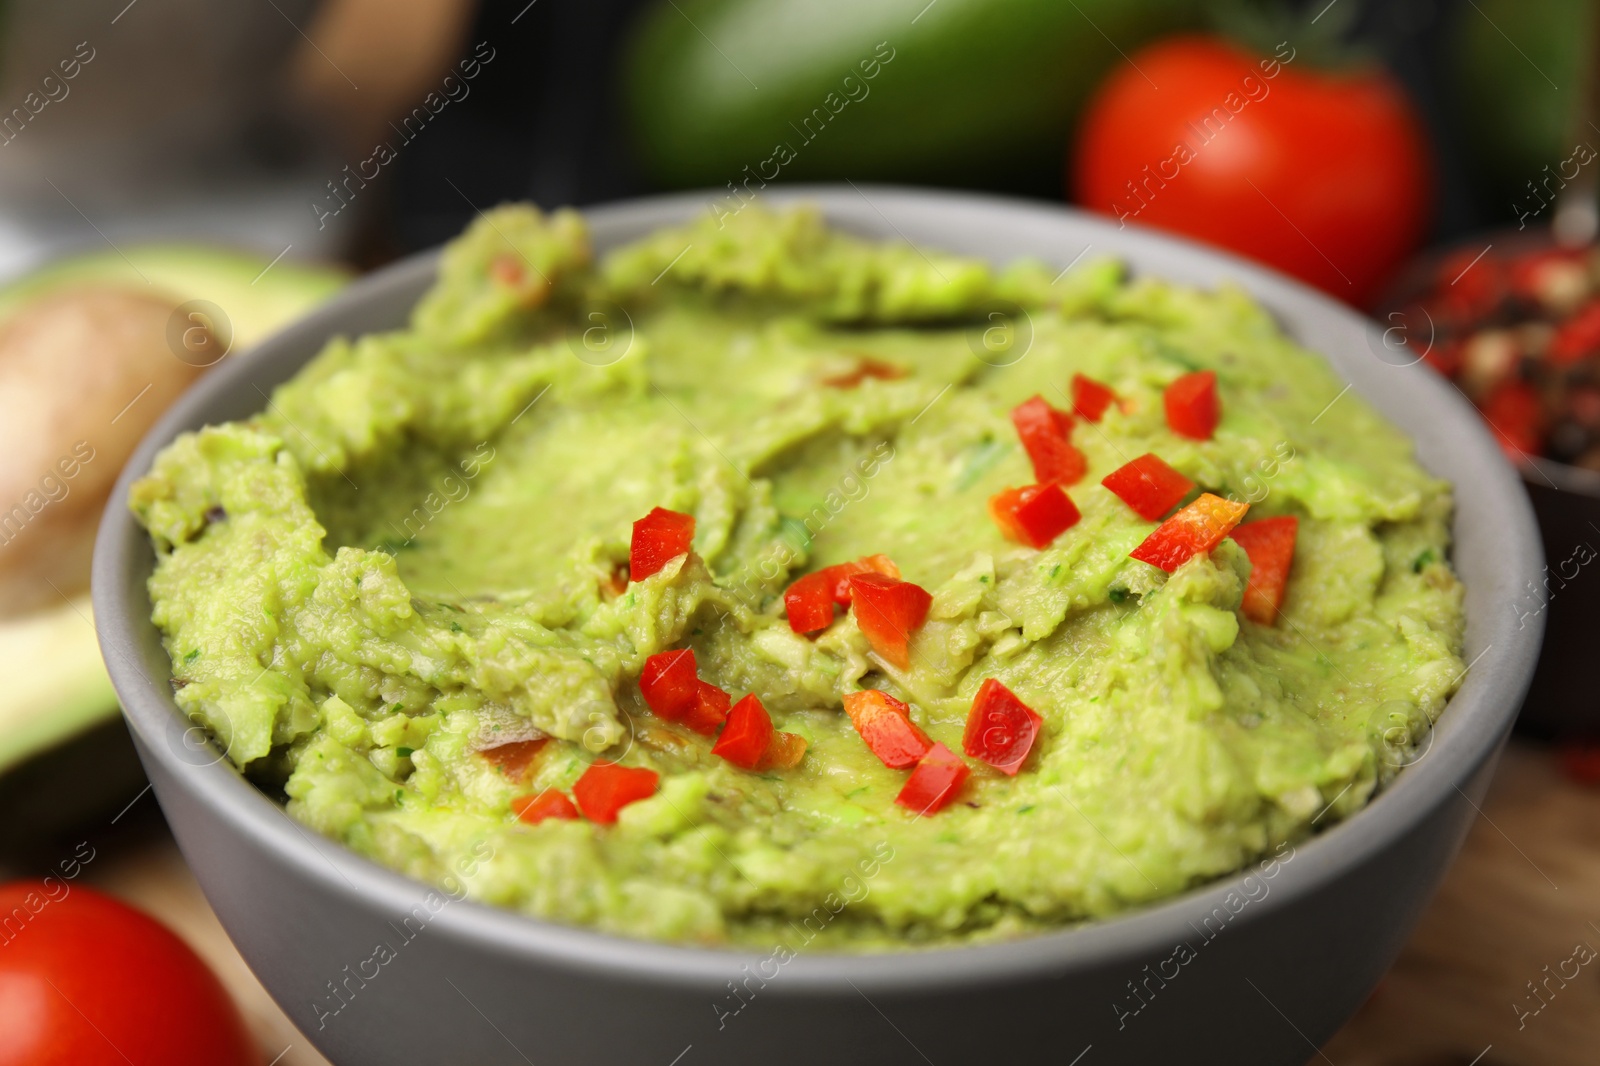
<point x="1323" y="175"/>
<point x="88" y="981"/>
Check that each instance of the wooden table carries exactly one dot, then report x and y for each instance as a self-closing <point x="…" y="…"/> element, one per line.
<point x="1523" y="895"/>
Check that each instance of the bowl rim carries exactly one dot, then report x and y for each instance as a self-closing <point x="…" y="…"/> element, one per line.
<point x="1469" y="733"/>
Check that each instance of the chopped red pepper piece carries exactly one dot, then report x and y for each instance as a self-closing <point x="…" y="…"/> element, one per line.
<point x="673" y="690"/>
<point x="1195" y="530"/>
<point x="1191" y="403"/>
<point x="809" y="602"/>
<point x="658" y="538"/>
<point x="885" y="724"/>
<point x="1148" y="485"/>
<point x="1090" y="398"/>
<point x="935" y="781"/>
<point x="513" y="759"/>
<point x="746" y="735"/>
<point x="1034" y="515"/>
<point x="1270" y="544"/>
<point x="1577" y="337"/>
<point x="551" y="803"/>
<point x="1045" y="433"/>
<point x="888" y="611"/>
<point x="669" y="683"/>
<point x="784" y="752"/>
<point x="605" y="788"/>
<point x="867" y="564"/>
<point x="1516" y="416"/>
<point x="1001" y="729"/>
<point x="866" y="367"/>
<point x="507" y="270"/>
<point x="710" y="709"/>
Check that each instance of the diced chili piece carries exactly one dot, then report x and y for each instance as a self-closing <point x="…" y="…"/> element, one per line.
<point x="1516" y="416"/>
<point x="1001" y="728"/>
<point x="513" y="759"/>
<point x="1090" y="398"/>
<point x="866" y="367"/>
<point x="935" y="781"/>
<point x="1149" y="486"/>
<point x="1270" y="544"/>
<point x="1195" y="530"/>
<point x="710" y="709"/>
<point x="670" y="684"/>
<point x="889" y="611"/>
<point x="809" y="602"/>
<point x="551" y="803"/>
<point x="613" y="584"/>
<point x="1191" y="404"/>
<point x="605" y="788"/>
<point x="878" y="564"/>
<point x="658" y="538"/>
<point x="1577" y="337"/>
<point x="507" y="270"/>
<point x="1034" y="515"/>
<point x="1045" y="433"/>
<point x="784" y="752"/>
<point x="867" y="564"/>
<point x="746" y="734"/>
<point x="886" y="726"/>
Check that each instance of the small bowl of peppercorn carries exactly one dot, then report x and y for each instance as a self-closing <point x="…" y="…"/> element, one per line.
<point x="1513" y="320"/>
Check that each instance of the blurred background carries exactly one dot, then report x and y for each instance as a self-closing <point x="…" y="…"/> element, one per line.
<point x="180" y="178"/>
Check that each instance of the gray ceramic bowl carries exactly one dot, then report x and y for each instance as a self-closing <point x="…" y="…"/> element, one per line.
<point x="1278" y="962"/>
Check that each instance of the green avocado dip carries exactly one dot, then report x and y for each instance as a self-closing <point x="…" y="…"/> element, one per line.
<point x="400" y="597"/>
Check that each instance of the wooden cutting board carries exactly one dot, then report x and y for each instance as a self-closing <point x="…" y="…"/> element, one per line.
<point x="1523" y="896"/>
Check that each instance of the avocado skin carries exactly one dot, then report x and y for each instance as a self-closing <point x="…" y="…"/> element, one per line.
<point x="84" y="782"/>
<point x="256" y="303"/>
<point x="72" y="703"/>
<point x="977" y="92"/>
<point x="1515" y="101"/>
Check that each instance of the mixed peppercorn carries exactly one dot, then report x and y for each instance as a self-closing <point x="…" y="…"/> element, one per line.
<point x="1001" y="729"/>
<point x="1520" y="334"/>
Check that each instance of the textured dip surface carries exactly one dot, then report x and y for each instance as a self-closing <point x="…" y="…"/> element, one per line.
<point x="380" y="593"/>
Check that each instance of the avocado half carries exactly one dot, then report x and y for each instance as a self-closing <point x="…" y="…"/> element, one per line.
<point x="56" y="686"/>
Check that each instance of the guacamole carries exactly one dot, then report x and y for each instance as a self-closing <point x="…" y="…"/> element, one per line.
<point x="400" y="597"/>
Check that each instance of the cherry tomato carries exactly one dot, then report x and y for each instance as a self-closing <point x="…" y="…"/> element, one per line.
<point x="1323" y="175"/>
<point x="88" y="981"/>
